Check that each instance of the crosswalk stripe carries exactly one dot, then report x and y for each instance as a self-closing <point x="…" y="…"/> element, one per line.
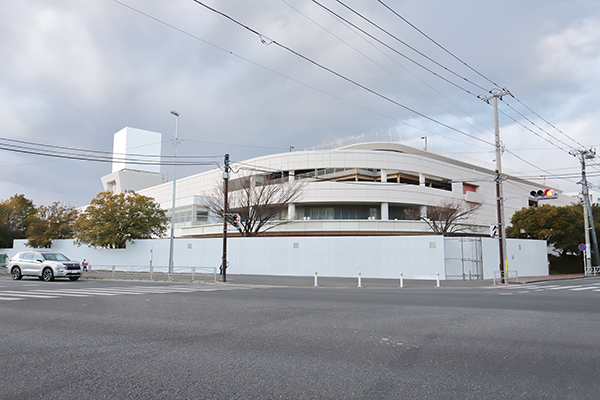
<point x="22" y="294"/>
<point x="586" y="288"/>
<point x="111" y="291"/>
<point x="59" y="292"/>
<point x="565" y="287"/>
<point x="540" y="287"/>
<point x="10" y="298"/>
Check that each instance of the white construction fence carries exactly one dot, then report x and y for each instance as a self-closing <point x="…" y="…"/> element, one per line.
<point x="415" y="257"/>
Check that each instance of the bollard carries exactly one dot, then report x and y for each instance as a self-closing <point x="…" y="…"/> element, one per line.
<point x="359" y="280"/>
<point x="316" y="278"/>
<point x="193" y="273"/>
<point x="438" y="279"/>
<point x="112" y="274"/>
<point x="401" y="280"/>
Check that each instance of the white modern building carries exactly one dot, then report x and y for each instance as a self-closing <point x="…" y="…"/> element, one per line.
<point x="136" y="161"/>
<point x="371" y="184"/>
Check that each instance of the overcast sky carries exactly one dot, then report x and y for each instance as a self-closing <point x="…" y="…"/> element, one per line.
<point x="72" y="73"/>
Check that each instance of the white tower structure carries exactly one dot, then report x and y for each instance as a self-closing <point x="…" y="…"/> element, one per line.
<point x="136" y="161"/>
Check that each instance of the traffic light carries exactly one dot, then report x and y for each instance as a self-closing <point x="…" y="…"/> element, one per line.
<point x="543" y="194"/>
<point x="237" y="222"/>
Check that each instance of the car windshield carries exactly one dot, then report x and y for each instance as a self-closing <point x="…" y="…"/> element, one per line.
<point x="55" y="257"/>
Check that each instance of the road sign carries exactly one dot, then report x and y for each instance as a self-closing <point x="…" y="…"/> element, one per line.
<point x="581" y="247"/>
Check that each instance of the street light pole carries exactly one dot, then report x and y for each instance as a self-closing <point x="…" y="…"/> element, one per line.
<point x="171" y="241"/>
<point x="225" y="213"/>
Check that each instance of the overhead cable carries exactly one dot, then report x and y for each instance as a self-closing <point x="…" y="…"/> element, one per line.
<point x="268" y="40"/>
<point x="394" y="50"/>
<point x="474" y="70"/>
<point x="392" y="73"/>
<point x="407" y="45"/>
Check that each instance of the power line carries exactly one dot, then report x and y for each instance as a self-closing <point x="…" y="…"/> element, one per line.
<point x="474" y="70"/>
<point x="437" y="44"/>
<point x="99" y="152"/>
<point x="407" y="45"/>
<point x="394" y="50"/>
<point x="535" y="133"/>
<point x="534" y="124"/>
<point x="266" y="40"/>
<point x="270" y="69"/>
<point x="47" y="150"/>
<point x="392" y="73"/>
<point x="543" y="119"/>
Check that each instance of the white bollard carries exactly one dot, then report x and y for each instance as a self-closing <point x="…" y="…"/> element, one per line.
<point x="359" y="280"/>
<point x="438" y="279"/>
<point x="401" y="280"/>
<point x="316" y="278"/>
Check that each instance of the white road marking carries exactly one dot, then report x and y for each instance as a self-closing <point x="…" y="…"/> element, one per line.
<point x="59" y="293"/>
<point x="111" y="291"/>
<point x="10" y="298"/>
<point x="25" y="294"/>
<point x="586" y="288"/>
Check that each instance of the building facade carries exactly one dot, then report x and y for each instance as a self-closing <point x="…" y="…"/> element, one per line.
<point x="370" y="185"/>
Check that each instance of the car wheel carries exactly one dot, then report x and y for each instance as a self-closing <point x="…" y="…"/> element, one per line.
<point x="47" y="274"/>
<point x="16" y="273"/>
<point x="73" y="278"/>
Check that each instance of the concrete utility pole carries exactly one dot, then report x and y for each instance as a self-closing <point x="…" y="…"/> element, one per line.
<point x="588" y="217"/>
<point x="171" y="239"/>
<point x="494" y="95"/>
<point x="225" y="212"/>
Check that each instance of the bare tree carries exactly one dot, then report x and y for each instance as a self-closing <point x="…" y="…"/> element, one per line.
<point x="449" y="216"/>
<point x="261" y="202"/>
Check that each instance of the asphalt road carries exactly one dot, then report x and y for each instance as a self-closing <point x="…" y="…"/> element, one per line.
<point x="96" y="339"/>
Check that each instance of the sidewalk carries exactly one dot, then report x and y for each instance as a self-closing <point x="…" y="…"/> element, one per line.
<point x="372" y="283"/>
<point x="322" y="281"/>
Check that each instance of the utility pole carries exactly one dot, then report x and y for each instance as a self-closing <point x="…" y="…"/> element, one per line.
<point x="225" y="211"/>
<point x="494" y="95"/>
<point x="587" y="214"/>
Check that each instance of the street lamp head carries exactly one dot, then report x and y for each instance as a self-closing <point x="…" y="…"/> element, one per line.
<point x="175" y="113"/>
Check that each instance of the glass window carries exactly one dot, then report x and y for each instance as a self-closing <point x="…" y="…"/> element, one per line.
<point x="55" y="257"/>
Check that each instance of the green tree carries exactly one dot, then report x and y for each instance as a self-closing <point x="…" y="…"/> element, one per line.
<point x="562" y="227"/>
<point x="112" y="220"/>
<point x="51" y="223"/>
<point x="13" y="219"/>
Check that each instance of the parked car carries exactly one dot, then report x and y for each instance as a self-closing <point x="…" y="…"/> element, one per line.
<point x="46" y="265"/>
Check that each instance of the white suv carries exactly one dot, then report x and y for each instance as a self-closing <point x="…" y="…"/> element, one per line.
<point x="46" y="265"/>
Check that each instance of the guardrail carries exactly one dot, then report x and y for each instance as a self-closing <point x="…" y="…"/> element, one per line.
<point x="592" y="271"/>
<point x="157" y="273"/>
<point x="507" y="275"/>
